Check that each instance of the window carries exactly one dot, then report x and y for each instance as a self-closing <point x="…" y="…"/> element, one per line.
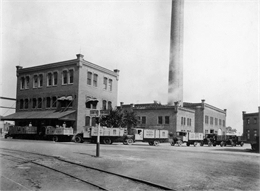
<point x="223" y="123"/>
<point x="49" y="79"/>
<point x="71" y="76"/>
<point x="54" y="102"/>
<point x="255" y="133"/>
<point x="206" y="119"/>
<point x="40" y="80"/>
<point x="248" y="121"/>
<point x="21" y="103"/>
<point x="39" y="102"/>
<point x="87" y="121"/>
<point x="27" y="81"/>
<point x="55" y="78"/>
<point x="105" y="83"/>
<point x="93" y="121"/>
<point x="143" y="120"/>
<point x="220" y="122"/>
<point x="95" y="80"/>
<point x="216" y="121"/>
<point x="188" y="121"/>
<point x="34" y="103"/>
<point x="181" y="120"/>
<point x="211" y="130"/>
<point x="35" y="81"/>
<point x="26" y="104"/>
<point x="110" y="84"/>
<point x="22" y="83"/>
<point x="184" y="120"/>
<point x="167" y="120"/>
<point x="255" y="120"/>
<point x="104" y="105"/>
<point x="248" y="134"/>
<point x="89" y="78"/>
<point x="160" y="120"/>
<point x="64" y="77"/>
<point x="139" y="119"/>
<point x="211" y="120"/>
<point x="109" y="105"/>
<point x="48" y="102"/>
<point x="206" y="131"/>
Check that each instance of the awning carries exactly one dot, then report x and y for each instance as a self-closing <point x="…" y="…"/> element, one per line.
<point x="65" y="115"/>
<point x="65" y="98"/>
<point x="88" y="99"/>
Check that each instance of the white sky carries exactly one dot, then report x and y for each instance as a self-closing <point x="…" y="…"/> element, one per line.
<point x="221" y="47"/>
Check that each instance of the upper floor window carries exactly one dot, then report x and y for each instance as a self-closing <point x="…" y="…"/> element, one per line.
<point x="65" y="77"/>
<point x="54" y="102"/>
<point x="48" y="102"/>
<point x="71" y="76"/>
<point x="143" y="120"/>
<point x="184" y="120"/>
<point x="89" y="78"/>
<point x="255" y="133"/>
<point x="110" y="84"/>
<point x="248" y="121"/>
<point x="34" y="103"/>
<point x="27" y="82"/>
<point x="55" y="78"/>
<point x="49" y="79"/>
<point x="39" y="102"/>
<point x="35" y="81"/>
<point x="223" y="123"/>
<point x="104" y="104"/>
<point x="167" y="120"/>
<point x="26" y="104"/>
<point x="206" y="119"/>
<point x="160" y="120"/>
<point x="220" y="122"/>
<point x="95" y="80"/>
<point x="21" y="103"/>
<point x="211" y="120"/>
<point x="40" y="80"/>
<point x="22" y="83"/>
<point x="109" y="105"/>
<point x="105" y="83"/>
<point x="216" y="121"/>
<point x="255" y="120"/>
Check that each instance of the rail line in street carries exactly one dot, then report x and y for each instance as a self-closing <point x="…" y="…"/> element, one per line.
<point x="102" y="179"/>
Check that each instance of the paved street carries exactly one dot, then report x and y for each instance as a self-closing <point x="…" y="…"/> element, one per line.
<point x="180" y="168"/>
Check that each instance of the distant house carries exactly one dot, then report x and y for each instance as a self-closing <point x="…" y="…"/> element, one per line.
<point x="251" y="125"/>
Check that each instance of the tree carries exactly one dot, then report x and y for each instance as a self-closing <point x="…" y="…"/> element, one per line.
<point x="230" y="130"/>
<point x="129" y="120"/>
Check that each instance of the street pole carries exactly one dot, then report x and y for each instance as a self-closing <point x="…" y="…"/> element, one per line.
<point x="98" y="141"/>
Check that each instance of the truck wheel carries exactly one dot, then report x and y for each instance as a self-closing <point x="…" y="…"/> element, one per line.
<point x="55" y="138"/>
<point x="150" y="143"/>
<point x="107" y="141"/>
<point x="201" y="144"/>
<point x="241" y="144"/>
<point x="129" y="141"/>
<point x="209" y="144"/>
<point x="222" y="144"/>
<point x="188" y="144"/>
<point x="172" y="143"/>
<point x="155" y="143"/>
<point x="78" y="139"/>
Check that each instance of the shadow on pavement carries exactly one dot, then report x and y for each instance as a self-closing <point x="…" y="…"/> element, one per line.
<point x="236" y="150"/>
<point x="86" y="154"/>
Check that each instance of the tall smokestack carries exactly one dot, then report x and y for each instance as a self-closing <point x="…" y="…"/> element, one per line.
<point x="175" y="86"/>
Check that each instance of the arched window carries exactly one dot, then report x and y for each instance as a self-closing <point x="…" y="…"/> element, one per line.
<point x="71" y="76"/>
<point x="105" y="83"/>
<point x="49" y="79"/>
<point x="22" y="83"/>
<point x="104" y="105"/>
<point x="27" y="81"/>
<point x="48" y="102"/>
<point x="95" y="80"/>
<point x="35" y="81"/>
<point x="65" y="77"/>
<point x="87" y="121"/>
<point x="110" y="84"/>
<point x="39" y="102"/>
<point x="40" y="80"/>
<point x="34" y="103"/>
<point x="21" y="103"/>
<point x="54" y="102"/>
<point x="109" y="105"/>
<point x="55" y="78"/>
<point x="26" y="104"/>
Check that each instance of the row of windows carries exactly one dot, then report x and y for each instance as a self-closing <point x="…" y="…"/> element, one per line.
<point x="92" y="79"/>
<point x="248" y="121"/>
<point x="52" y="79"/>
<point x="211" y="131"/>
<point x="166" y="120"/>
<point x="38" y="103"/>
<point x="217" y="121"/>
<point x="183" y="121"/>
<point x="248" y="133"/>
<point x="106" y="105"/>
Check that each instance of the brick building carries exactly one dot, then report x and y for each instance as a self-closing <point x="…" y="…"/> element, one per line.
<point x="208" y="119"/>
<point x="158" y="116"/>
<point x="63" y="92"/>
<point x="251" y="125"/>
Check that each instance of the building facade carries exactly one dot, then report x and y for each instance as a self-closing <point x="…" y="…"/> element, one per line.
<point x="158" y="116"/>
<point x="208" y="119"/>
<point x="63" y="93"/>
<point x="251" y="125"/>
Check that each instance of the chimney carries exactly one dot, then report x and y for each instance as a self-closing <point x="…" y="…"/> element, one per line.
<point x="225" y="110"/>
<point x="176" y="106"/>
<point x="243" y="114"/>
<point x="175" y="83"/>
<point x="117" y="72"/>
<point x="202" y="103"/>
<point x="80" y="56"/>
<point x="17" y="70"/>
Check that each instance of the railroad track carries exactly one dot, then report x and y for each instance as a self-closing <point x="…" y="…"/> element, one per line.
<point x="99" y="178"/>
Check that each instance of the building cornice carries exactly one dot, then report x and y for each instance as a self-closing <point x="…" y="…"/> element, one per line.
<point x="97" y="67"/>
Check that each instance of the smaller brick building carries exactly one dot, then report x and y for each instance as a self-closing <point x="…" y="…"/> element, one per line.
<point x="251" y="125"/>
<point x="157" y="116"/>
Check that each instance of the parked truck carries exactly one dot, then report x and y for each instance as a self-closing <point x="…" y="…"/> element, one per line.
<point x="189" y="138"/>
<point x="152" y="136"/>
